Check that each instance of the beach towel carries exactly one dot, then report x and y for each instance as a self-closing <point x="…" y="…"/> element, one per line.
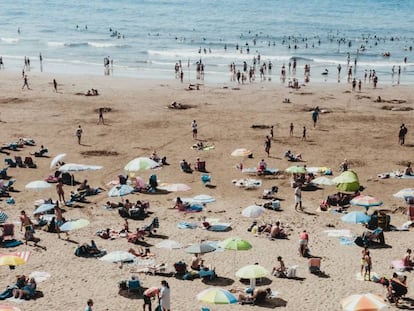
<point x="338" y="233"/>
<point x="374" y="276"/>
<point x="10" y="243"/>
<point x="40" y="276"/>
<point x="347" y="240"/>
<point x="186" y="225"/>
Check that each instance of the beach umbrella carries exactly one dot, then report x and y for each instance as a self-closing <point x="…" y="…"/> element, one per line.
<point x="11" y="260"/>
<point x="44" y="208"/>
<point x="356" y="218"/>
<point x="73" y="167"/>
<point x="253" y="211"/>
<point x="296" y="169"/>
<point x="74" y="224"/>
<point x="252" y="272"/>
<point x="174" y="187"/>
<point x="203" y="198"/>
<point x="57" y="159"/>
<point x="323" y="181"/>
<point x="200" y="248"/>
<point x="363" y="302"/>
<point x="38" y="185"/>
<point x="140" y="164"/>
<point x="241" y="152"/>
<point x="235" y="243"/>
<point x="366" y="201"/>
<point x="118" y="256"/>
<point x="3" y="217"/>
<point x="404" y="193"/>
<point x="169" y="244"/>
<point x="348" y="181"/>
<point x="120" y="190"/>
<point x="216" y="295"/>
<point x="8" y="308"/>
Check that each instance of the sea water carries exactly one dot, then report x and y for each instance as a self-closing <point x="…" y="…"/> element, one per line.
<point x="146" y="38"/>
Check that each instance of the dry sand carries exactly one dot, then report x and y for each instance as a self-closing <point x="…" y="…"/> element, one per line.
<point x="356" y="128"/>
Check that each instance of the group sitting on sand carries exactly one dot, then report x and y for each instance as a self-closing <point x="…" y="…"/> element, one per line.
<point x="273" y="231"/>
<point x="24" y="288"/>
<point x="92" y="92"/>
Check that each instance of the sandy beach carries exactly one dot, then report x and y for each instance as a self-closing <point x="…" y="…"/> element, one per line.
<point x="352" y="126"/>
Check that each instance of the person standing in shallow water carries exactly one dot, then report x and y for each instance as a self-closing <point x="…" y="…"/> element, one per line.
<point x="101" y="118"/>
<point x="55" y="85"/>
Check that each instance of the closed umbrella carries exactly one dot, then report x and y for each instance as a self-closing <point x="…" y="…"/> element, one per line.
<point x="3" y="217"/>
<point x="363" y="302"/>
<point x="253" y="211"/>
<point x="216" y="295"/>
<point x="38" y="185"/>
<point x="200" y="248"/>
<point x="74" y="225"/>
<point x="44" y="208"/>
<point x="57" y="159"/>
<point x="140" y="164"/>
<point x="356" y="218"/>
<point x="118" y="256"/>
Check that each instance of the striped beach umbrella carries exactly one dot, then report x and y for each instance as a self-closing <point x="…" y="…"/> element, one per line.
<point x="216" y="295"/>
<point x="3" y="217"/>
<point x="362" y="302"/>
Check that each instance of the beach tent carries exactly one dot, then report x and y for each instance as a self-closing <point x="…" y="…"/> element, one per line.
<point x="347" y="182"/>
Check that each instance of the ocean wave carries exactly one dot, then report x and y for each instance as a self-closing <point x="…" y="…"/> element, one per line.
<point x="56" y="43"/>
<point x="9" y="40"/>
<point x="107" y="45"/>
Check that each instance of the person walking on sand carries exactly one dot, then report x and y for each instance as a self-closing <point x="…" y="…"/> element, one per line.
<point x="303" y="243"/>
<point x="268" y="145"/>
<point x="401" y="134"/>
<point x="101" y="118"/>
<point x="25" y="83"/>
<point x="298" y="197"/>
<point x="291" y="129"/>
<point x="89" y="305"/>
<point x="368" y="266"/>
<point x="55" y="85"/>
<point x="194" y="129"/>
<point x="165" y="296"/>
<point x="79" y="133"/>
<point x="60" y="192"/>
<point x="304" y="133"/>
<point x="315" y="116"/>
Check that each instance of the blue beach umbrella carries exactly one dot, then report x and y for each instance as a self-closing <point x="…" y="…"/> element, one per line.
<point x="356" y="218"/>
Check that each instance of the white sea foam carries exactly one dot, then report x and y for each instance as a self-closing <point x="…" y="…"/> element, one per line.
<point x="9" y="40"/>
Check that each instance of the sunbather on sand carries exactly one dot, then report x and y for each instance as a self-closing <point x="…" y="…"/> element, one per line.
<point x="280" y="270"/>
<point x="257" y="293"/>
<point x="291" y="157"/>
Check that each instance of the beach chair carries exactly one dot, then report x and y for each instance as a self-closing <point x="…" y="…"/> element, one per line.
<point x="207" y="274"/>
<point x="3" y="173"/>
<point x="10" y="162"/>
<point x="19" y="161"/>
<point x="134" y="286"/>
<point x="8" y="232"/>
<point x="376" y="235"/>
<point x="205" y="179"/>
<point x="28" y="161"/>
<point x="314" y="265"/>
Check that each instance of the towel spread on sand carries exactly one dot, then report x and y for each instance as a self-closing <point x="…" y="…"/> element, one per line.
<point x="40" y="276"/>
<point x="338" y="233"/>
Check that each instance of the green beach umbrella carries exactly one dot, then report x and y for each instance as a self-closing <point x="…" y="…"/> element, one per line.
<point x="236" y="244"/>
<point x="348" y="181"/>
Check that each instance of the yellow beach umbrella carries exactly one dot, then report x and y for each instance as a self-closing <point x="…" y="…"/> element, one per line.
<point x="11" y="260"/>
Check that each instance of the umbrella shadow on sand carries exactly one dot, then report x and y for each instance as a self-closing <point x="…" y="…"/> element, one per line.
<point x="272" y="303"/>
<point x="132" y="295"/>
<point x="260" y="281"/>
<point x="219" y="281"/>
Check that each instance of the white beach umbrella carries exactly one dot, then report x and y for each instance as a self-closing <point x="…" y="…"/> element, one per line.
<point x="118" y="256"/>
<point x="38" y="185"/>
<point x="57" y="159"/>
<point x="169" y="244"/>
<point x="253" y="211"/>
